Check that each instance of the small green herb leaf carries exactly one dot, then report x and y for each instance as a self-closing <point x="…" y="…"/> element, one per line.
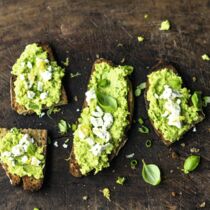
<point x="191" y="163"/>
<point x="107" y="102"/>
<point x="106" y="193"/>
<point x="139" y="88"/>
<point x="206" y="101"/>
<point x="143" y="129"/>
<point x="140" y="38"/>
<point x="165" y="26"/>
<point x="104" y="83"/>
<point x="196" y="99"/>
<point x="151" y="173"/>
<point x="66" y="62"/>
<point x="63" y="126"/>
<point x="120" y="180"/>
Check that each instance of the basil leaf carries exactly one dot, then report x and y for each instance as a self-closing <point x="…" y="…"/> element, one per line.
<point x="191" y="163"/>
<point x="196" y="99"/>
<point x="151" y="174"/>
<point x="104" y="83"/>
<point x="107" y="102"/>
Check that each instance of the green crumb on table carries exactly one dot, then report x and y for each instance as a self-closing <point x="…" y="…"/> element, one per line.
<point x="63" y="126"/>
<point x="165" y="26"/>
<point x="77" y="74"/>
<point x="84" y="198"/>
<point x="106" y="193"/>
<point x="120" y="180"/>
<point x="66" y="62"/>
<point x="205" y="57"/>
<point x="36" y="208"/>
<point x="140" y="38"/>
<point x="74" y="127"/>
<point x="146" y="16"/>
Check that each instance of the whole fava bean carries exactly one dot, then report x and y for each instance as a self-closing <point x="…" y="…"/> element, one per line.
<point x="191" y="163"/>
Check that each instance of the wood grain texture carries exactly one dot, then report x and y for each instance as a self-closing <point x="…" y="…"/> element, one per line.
<point x="80" y="30"/>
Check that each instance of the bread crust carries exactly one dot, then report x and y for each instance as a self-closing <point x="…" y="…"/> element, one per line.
<point x="162" y="64"/>
<point x="20" y="109"/>
<point x="73" y="165"/>
<point x="29" y="183"/>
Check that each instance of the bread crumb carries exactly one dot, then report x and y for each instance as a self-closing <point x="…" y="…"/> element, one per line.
<point x="85" y="197"/>
<point x="75" y="98"/>
<point x="173" y="194"/>
<point x="55" y="144"/>
<point x="174" y="155"/>
<point x="202" y="205"/>
<point x="194" y="150"/>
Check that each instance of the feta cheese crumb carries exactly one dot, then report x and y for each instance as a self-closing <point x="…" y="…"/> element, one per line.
<point x="194" y="129"/>
<point x="43" y="95"/>
<point x="65" y="145"/>
<point x="97" y="149"/>
<point x="29" y="65"/>
<point x="24" y="159"/>
<point x="55" y="144"/>
<point x="35" y="161"/>
<point x="31" y="94"/>
<point x="90" y="94"/>
<point x="39" y="86"/>
<point x="46" y="75"/>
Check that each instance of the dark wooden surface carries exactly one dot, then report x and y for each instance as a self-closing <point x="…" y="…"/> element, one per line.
<point x="80" y="30"/>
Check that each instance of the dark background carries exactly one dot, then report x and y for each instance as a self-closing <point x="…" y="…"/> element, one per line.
<point x="82" y="30"/>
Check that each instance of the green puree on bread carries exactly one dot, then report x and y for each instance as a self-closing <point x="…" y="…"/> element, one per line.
<point x="21" y="155"/>
<point x="104" y="118"/>
<point x="38" y="80"/>
<point x="173" y="109"/>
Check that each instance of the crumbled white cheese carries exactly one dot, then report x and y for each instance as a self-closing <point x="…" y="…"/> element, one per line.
<point x="46" y="75"/>
<point x="35" y="161"/>
<point x="108" y="120"/>
<point x="194" y="129"/>
<point x="22" y="64"/>
<point x="24" y="159"/>
<point x="55" y="144"/>
<point x="42" y="114"/>
<point x="17" y="150"/>
<point x="31" y="94"/>
<point x="172" y="106"/>
<point x="77" y="110"/>
<point x="29" y="65"/>
<point x="90" y="94"/>
<point x="43" y="95"/>
<point x="98" y="113"/>
<point x="22" y="77"/>
<point x="103" y="134"/>
<point x="97" y="149"/>
<point x="46" y="60"/>
<point x="96" y="122"/>
<point x="49" y="68"/>
<point x="39" y="86"/>
<point x="65" y="145"/>
<point x="6" y="154"/>
<point x="130" y="155"/>
<point x="90" y="141"/>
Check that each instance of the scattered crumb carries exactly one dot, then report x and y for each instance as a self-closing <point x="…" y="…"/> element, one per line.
<point x="130" y="155"/>
<point x="165" y="26"/>
<point x="78" y="110"/>
<point x="42" y="114"/>
<point x="173" y="194"/>
<point x="202" y="205"/>
<point x="147" y="67"/>
<point x="140" y="38"/>
<point x="180" y="193"/>
<point x="119" y="45"/>
<point x="85" y="197"/>
<point x="146" y="16"/>
<point x="122" y="60"/>
<point x="113" y="171"/>
<point x="182" y="144"/>
<point x="194" y="79"/>
<point x="174" y="155"/>
<point x="120" y="180"/>
<point x="205" y="57"/>
<point x="194" y="129"/>
<point x="66" y="62"/>
<point x="97" y="56"/>
<point x="77" y="74"/>
<point x="106" y="193"/>
<point x="75" y="98"/>
<point x="65" y="145"/>
<point x="171" y="171"/>
<point x="194" y="150"/>
<point x="208" y="129"/>
<point x="55" y="144"/>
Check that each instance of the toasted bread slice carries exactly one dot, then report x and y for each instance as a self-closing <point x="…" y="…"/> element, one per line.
<point x="20" y="109"/>
<point x="160" y="65"/>
<point x="73" y="165"/>
<point x="29" y="183"/>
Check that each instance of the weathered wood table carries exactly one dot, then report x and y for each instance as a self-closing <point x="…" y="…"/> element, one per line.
<point x="83" y="30"/>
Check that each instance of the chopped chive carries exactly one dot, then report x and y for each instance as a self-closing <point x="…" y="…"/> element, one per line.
<point x="133" y="163"/>
<point x="143" y="129"/>
<point x="148" y="143"/>
<point x="141" y="121"/>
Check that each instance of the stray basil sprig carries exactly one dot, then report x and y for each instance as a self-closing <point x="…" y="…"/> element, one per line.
<point x="139" y="88"/>
<point x="107" y="102"/>
<point x="151" y="173"/>
<point x="191" y="163"/>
